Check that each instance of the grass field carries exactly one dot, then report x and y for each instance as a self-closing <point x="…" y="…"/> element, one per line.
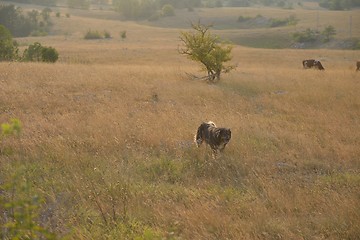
<point x="106" y="149"/>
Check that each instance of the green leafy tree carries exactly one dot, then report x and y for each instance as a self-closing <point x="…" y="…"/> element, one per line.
<point x="8" y="47"/>
<point x="136" y="9"/>
<point x="328" y="33"/>
<point x="13" y="19"/>
<point x="33" y="52"/>
<point x="203" y="47"/>
<point x="45" y="13"/>
<point x="33" y="16"/>
<point x="21" y="24"/>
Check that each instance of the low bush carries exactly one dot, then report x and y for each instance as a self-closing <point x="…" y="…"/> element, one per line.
<point x="38" y="53"/>
<point x="308" y="35"/>
<point x="107" y="34"/>
<point x="93" y="35"/>
<point x="123" y="35"/>
<point x="260" y="21"/>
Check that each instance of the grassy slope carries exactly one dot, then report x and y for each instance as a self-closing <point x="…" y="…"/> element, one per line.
<point x="107" y="140"/>
<point x="281" y="37"/>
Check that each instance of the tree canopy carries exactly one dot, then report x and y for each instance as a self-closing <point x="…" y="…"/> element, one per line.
<point x="203" y="47"/>
<point x="8" y="47"/>
<point x="21" y="24"/>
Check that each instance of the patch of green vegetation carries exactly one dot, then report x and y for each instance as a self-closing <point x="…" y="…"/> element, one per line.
<point x="161" y="169"/>
<point x="94" y="34"/>
<point x="341" y="179"/>
<point x="39" y="53"/>
<point x="260" y="22"/>
<point x="270" y="40"/>
<point x="22" y="24"/>
<point x="21" y="208"/>
<point x="245" y="89"/>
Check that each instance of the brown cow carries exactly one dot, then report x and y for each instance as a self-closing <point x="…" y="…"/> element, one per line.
<point x="309" y="63"/>
<point x="312" y="63"/>
<point x="358" y="66"/>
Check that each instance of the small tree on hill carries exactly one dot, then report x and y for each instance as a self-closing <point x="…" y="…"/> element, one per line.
<point x="8" y="47"/>
<point x="207" y="49"/>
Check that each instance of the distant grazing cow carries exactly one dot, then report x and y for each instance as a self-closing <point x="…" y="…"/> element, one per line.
<point x="312" y="63"/>
<point x="358" y="66"/>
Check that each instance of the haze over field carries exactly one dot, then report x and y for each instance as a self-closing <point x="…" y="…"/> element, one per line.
<point x="105" y="147"/>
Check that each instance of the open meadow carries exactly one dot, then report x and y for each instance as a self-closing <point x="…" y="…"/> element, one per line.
<point x="106" y="146"/>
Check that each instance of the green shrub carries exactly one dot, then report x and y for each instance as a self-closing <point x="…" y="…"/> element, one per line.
<point x="93" y="35"/>
<point x="243" y="19"/>
<point x="38" y="33"/>
<point x="7" y="130"/>
<point x="12" y="128"/>
<point x="275" y="22"/>
<point x="49" y="54"/>
<point x="357" y="45"/>
<point x="123" y="35"/>
<point x="308" y="35"/>
<point x="291" y="20"/>
<point x="107" y="34"/>
<point x="33" y="52"/>
<point x="21" y="212"/>
<point x="38" y="53"/>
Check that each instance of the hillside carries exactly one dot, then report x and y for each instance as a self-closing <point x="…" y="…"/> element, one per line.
<point x="260" y="31"/>
<point x="106" y="149"/>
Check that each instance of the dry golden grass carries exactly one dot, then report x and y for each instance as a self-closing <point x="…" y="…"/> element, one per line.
<point x="108" y="130"/>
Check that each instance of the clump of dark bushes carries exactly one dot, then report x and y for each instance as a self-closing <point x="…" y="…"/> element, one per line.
<point x="9" y="50"/>
<point x="38" y="53"/>
<point x="94" y="34"/>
